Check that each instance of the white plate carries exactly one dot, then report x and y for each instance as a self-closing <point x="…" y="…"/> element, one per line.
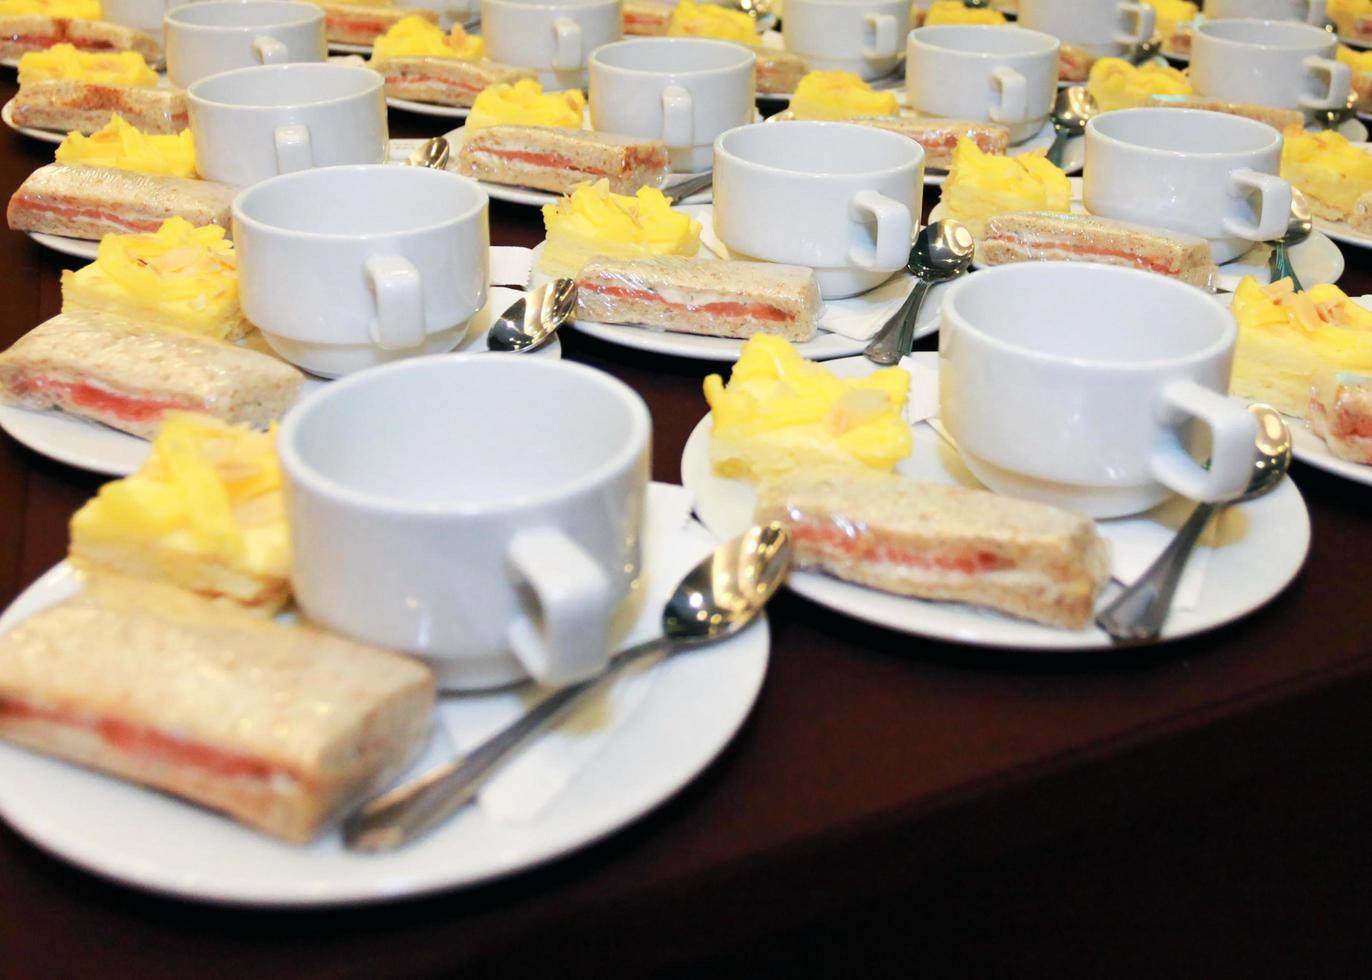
<point x="100" y="449"/>
<point x="1270" y="537"/>
<point x="1316" y="260"/>
<point x="429" y="108"/>
<point x="81" y="248"/>
<point x="338" y="47"/>
<point x="1354" y="42"/>
<point x="691" y="708"/>
<point x="46" y="135"/>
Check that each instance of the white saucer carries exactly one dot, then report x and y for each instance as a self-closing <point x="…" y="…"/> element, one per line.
<point x="46" y="135"/>
<point x="689" y="709"/>
<point x="81" y="248"/>
<point x="430" y="108"/>
<point x="100" y="449"/>
<point x="1272" y="537"/>
<point x="338" y="47"/>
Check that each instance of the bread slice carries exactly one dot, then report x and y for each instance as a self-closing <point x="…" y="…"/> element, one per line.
<point x="1340" y="413"/>
<point x="348" y="23"/>
<point x="444" y="81"/>
<point x="646" y="17"/>
<point x="551" y="159"/>
<point x="117" y="372"/>
<point x="778" y="72"/>
<point x="939" y="137"/>
<point x="67" y="105"/>
<point x="1036" y="236"/>
<point x="717" y="299"/>
<point x="935" y="541"/>
<point x="35" y="32"/>
<point x="281" y="727"/>
<point x="1273" y="116"/>
<point x="89" y="202"/>
<point x="1074" y="63"/>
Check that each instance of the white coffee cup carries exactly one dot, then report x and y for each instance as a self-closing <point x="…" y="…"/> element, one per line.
<point x="344" y="268"/>
<point x="253" y="123"/>
<point x="141" y="15"/>
<point x="683" y="91"/>
<point x="553" y="37"/>
<point x="495" y="552"/>
<point x="1202" y="173"/>
<point x="839" y="198"/>
<point x="1276" y="63"/>
<point x="206" y="38"/>
<point x="1310" y="11"/>
<point x="1103" y="28"/>
<point x="1084" y="385"/>
<point x="985" y="73"/>
<point x="866" y="37"/>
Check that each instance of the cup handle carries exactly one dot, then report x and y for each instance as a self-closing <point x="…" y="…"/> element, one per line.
<point x="1014" y="96"/>
<point x="1233" y="432"/>
<point x="1336" y="95"/>
<point x="895" y="230"/>
<point x="885" y="40"/>
<point x="293" y="150"/>
<point x="1145" y="21"/>
<point x="567" y="54"/>
<point x="1315" y="13"/>
<point x="399" y="320"/>
<point x="570" y="640"/>
<point x="269" y="51"/>
<point x="1274" y="205"/>
<point x="678" y="117"/>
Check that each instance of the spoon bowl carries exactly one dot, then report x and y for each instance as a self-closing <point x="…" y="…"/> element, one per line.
<point x="534" y="318"/>
<point x="1072" y="110"/>
<point x="432" y="153"/>
<point x="942" y="251"/>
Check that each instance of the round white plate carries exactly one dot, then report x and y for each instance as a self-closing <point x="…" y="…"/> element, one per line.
<point x="100" y="449"/>
<point x="692" y="707"/>
<point x="81" y="248"/>
<point x="338" y="47"/>
<point x="46" y="135"/>
<point x="1266" y="549"/>
<point x="429" y="108"/>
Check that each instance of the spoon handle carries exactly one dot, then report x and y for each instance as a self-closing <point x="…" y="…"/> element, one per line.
<point x="413" y="809"/>
<point x="1280" y="263"/>
<point x="1059" y="144"/>
<point x="1139" y="612"/>
<point x="885" y="348"/>
<point x="694" y="185"/>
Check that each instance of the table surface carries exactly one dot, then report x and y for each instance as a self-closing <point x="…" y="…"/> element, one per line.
<point x="891" y="803"/>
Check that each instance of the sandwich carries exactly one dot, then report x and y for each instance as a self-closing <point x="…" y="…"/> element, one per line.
<point x="552" y="159"/>
<point x="444" y="81"/>
<point x="84" y="107"/>
<point x="647" y="17"/>
<point x="283" y="728"/>
<point x="1273" y="116"/>
<point x="346" y="23"/>
<point x="716" y="299"/>
<point x="1074" y="63"/>
<point x="1040" y="236"/>
<point x="778" y="72"/>
<point x="939" y="137"/>
<point x="1360" y="218"/>
<point x="89" y="202"/>
<point x="934" y="541"/>
<point x="1340" y="413"/>
<point x="20" y="33"/>
<point x="114" y="371"/>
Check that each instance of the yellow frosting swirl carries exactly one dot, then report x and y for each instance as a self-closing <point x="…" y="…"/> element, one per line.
<point x="122" y="146"/>
<point x="839" y="95"/>
<point x="593" y="221"/>
<point x="65" y="62"/>
<point x="414" y="36"/>
<point x="526" y="104"/>
<point x="1116" y="84"/>
<point x="690" y="19"/>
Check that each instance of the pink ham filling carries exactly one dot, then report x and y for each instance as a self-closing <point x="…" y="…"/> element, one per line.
<point x="127" y="408"/>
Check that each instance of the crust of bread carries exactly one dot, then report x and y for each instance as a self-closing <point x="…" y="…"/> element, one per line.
<point x="445" y="81"/>
<point x="1277" y="118"/>
<point x="778" y="72"/>
<point x="122" y="358"/>
<point x="646" y="18"/>
<point x="22" y="33"/>
<point x="934" y="541"/>
<point x="690" y="296"/>
<point x="65" y="105"/>
<point x="939" y="137"/>
<point x="347" y="23"/>
<point x="627" y="162"/>
<point x="1074" y="63"/>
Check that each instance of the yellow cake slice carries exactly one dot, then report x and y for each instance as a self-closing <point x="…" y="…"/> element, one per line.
<point x="1331" y="172"/>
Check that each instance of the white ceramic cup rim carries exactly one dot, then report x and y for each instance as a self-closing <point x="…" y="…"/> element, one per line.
<point x="1035" y="42"/>
<point x="1122" y="116"/>
<point x="299" y="16"/>
<point x="372" y="84"/>
<point x="986" y="279"/>
<point x="798" y="127"/>
<point x="1304" y="37"/>
<point x="640" y="426"/>
<point x="322" y="174"/>
<point x="745" y="56"/>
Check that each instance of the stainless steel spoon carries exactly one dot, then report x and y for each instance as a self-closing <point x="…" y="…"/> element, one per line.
<point x="1298" y="228"/>
<point x="941" y="252"/>
<point x="693" y="185"/>
<point x="534" y="318"/>
<point x="1145" y="51"/>
<point x="1334" y="118"/>
<point x="716" y="599"/>
<point x="433" y="152"/>
<point x="1138" y="613"/>
<point x="1072" y="110"/>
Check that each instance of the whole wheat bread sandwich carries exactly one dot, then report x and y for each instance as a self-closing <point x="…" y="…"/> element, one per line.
<point x="1277" y="118"/>
<point x="348" y="23"/>
<point x="552" y="159"/>
<point x="444" y="81"/>
<point x="21" y="33"/>
<point x="778" y="72"/>
<point x="939" y="137"/>
<point x="68" y="105"/>
<point x="647" y="17"/>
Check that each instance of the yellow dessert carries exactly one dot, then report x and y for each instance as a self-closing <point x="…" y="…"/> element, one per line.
<point x="416" y="37"/>
<point x="957" y="12"/>
<point x="780" y="413"/>
<point x="981" y="185"/>
<point x="691" y="19"/>
<point x="839" y="95"/>
<point x="1331" y="172"/>
<point x="1174" y="19"/>
<point x="64" y="62"/>
<point x="1353" y="18"/>
<point x="179" y="278"/>
<point x="1116" y="84"/>
<point x="74" y="9"/>
<point x="1360" y="67"/>
<point x="526" y="104"/>
<point x="122" y="146"/>
<point x="204" y="513"/>
<point x="1286" y="338"/>
<point x="592" y="221"/>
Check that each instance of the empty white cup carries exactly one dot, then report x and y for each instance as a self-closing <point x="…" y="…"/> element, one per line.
<point x="866" y="37"/>
<point x="1309" y="11"/>
<point x="255" y="123"/>
<point x="683" y="91"/>
<point x="206" y="38"/>
<point x="1276" y="63"/>
<point x="345" y="268"/>
<point x="553" y="37"/>
<point x="495" y="552"/>
<point x="840" y="198"/>
<point x="1202" y="173"/>
<point x="1103" y="28"/>
<point x="985" y="73"/>
<point x="1085" y="386"/>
